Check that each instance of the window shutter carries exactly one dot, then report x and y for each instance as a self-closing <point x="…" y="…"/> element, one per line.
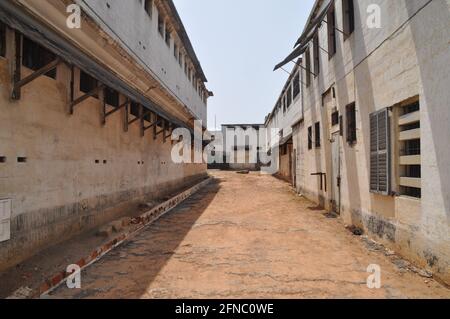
<point x="380" y="152"/>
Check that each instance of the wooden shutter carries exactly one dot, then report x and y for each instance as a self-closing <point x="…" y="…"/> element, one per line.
<point x="380" y="152"/>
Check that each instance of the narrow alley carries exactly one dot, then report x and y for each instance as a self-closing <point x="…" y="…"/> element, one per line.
<point x="248" y="236"/>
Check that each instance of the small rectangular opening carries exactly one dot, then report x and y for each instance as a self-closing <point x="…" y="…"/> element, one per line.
<point x="331" y="28"/>
<point x="87" y="82"/>
<point x="317" y="135"/>
<point x="2" y="39"/>
<point x="335" y="118"/>
<point x="310" y="138"/>
<point x="112" y="97"/>
<point x="308" y="67"/>
<point x="160" y="24"/>
<point x="97" y="162"/>
<point x="348" y="11"/>
<point x="21" y="160"/>
<point x="2" y="159"/>
<point x="149" y="7"/>
<point x="35" y="57"/>
<point x="105" y="161"/>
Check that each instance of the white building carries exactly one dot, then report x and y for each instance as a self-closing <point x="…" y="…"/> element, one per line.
<point x="374" y="139"/>
<point x="288" y="111"/>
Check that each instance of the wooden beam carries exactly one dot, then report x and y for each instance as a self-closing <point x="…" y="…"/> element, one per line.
<point x="71" y="87"/>
<point x="154" y="123"/>
<point x="103" y="112"/>
<point x="84" y="97"/>
<point x="17" y="65"/>
<point x="126" y="115"/>
<point x="141" y="118"/>
<point x="164" y="130"/>
<point x="154" y="127"/>
<point x="117" y="109"/>
<point x="45" y="69"/>
<point x="170" y="130"/>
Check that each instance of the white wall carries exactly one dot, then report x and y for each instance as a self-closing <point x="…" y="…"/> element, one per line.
<point x="378" y="68"/>
<point x="129" y="22"/>
<point x="283" y="121"/>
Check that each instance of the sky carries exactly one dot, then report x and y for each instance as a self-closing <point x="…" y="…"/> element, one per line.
<point x="238" y="43"/>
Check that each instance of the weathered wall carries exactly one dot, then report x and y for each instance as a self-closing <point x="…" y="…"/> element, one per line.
<point x="285" y="166"/>
<point x="143" y="40"/>
<point x="283" y="121"/>
<point x="377" y="68"/>
<point x="61" y="190"/>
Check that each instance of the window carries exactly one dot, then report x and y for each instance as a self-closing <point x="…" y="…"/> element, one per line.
<point x="317" y="136"/>
<point x="348" y="11"/>
<point x="380" y="152"/>
<point x="316" y="51"/>
<point x="335" y="118"/>
<point x="160" y="24"/>
<point x="331" y="26"/>
<point x="296" y="85"/>
<point x="2" y="39"/>
<point x="180" y="58"/>
<point x="36" y="57"/>
<point x="111" y="97"/>
<point x="168" y="37"/>
<point x="134" y="109"/>
<point x="289" y="96"/>
<point x="308" y="67"/>
<point x="351" y="123"/>
<point x="149" y="7"/>
<point x="310" y="138"/>
<point x="410" y="150"/>
<point x="87" y="82"/>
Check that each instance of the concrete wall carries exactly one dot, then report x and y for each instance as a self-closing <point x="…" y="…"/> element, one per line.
<point x="377" y="68"/>
<point x="283" y="121"/>
<point x="285" y="166"/>
<point x="142" y="39"/>
<point x="61" y="190"/>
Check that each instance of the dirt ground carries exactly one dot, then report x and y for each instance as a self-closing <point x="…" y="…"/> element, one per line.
<point x="247" y="236"/>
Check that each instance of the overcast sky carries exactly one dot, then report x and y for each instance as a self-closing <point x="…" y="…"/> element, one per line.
<point x="238" y="42"/>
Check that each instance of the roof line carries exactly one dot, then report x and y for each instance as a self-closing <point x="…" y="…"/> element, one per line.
<point x="184" y="37"/>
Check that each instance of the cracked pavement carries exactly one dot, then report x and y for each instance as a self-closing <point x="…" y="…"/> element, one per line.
<point x="247" y="236"/>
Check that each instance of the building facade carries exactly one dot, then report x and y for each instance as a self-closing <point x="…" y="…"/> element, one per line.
<point x="373" y="139"/>
<point x="241" y="146"/>
<point x="287" y="111"/>
<point x="86" y="115"/>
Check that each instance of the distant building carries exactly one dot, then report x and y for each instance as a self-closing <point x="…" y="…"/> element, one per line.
<point x="242" y="153"/>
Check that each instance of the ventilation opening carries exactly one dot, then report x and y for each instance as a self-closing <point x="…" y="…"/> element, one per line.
<point x="2" y="159"/>
<point x="97" y="162"/>
<point x="21" y="160"/>
<point x="35" y="57"/>
<point x="105" y="162"/>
